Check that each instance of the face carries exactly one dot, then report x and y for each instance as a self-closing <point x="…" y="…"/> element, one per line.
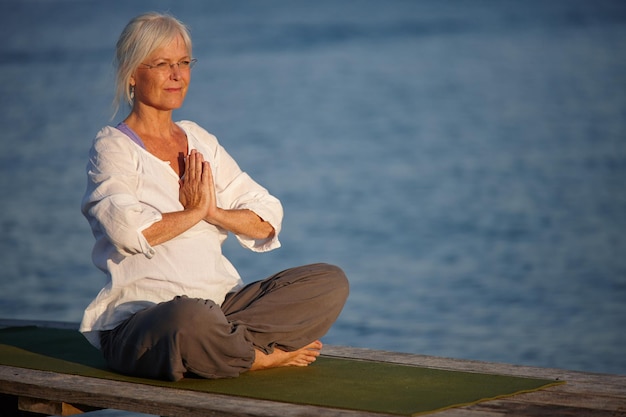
<point x="163" y="90"/>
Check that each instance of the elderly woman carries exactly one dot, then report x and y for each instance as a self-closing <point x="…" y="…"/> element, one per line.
<point x="161" y="198"/>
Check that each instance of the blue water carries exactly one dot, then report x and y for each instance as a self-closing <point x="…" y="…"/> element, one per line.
<point x="464" y="162"/>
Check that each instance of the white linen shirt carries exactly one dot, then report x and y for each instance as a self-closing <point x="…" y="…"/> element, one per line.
<point x="128" y="189"/>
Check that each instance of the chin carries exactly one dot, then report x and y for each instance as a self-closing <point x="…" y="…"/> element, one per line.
<point x="170" y="106"/>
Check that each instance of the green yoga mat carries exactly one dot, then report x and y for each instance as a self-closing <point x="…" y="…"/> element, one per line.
<point x="329" y="382"/>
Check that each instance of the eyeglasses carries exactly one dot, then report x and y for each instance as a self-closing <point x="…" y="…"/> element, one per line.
<point x="166" y="67"/>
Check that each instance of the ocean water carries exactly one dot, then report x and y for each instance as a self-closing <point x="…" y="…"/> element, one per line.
<point x="464" y="162"/>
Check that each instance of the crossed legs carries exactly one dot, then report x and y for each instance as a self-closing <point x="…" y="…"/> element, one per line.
<point x="270" y="323"/>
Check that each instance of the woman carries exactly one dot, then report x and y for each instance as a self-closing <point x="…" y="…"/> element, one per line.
<point x="161" y="198"/>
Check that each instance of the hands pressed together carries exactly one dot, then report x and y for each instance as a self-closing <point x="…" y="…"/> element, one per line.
<point x="197" y="196"/>
<point x="197" y="189"/>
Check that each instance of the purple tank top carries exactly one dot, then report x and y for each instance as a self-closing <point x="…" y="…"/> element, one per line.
<point x="129" y="132"/>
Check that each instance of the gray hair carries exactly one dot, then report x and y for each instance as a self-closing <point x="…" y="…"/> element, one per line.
<point x="142" y="36"/>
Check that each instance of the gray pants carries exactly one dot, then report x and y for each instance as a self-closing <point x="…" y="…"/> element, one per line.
<point x="185" y="336"/>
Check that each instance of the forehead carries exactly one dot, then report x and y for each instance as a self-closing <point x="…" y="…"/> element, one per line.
<point x="175" y="48"/>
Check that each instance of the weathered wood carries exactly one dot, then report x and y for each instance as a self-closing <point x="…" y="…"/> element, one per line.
<point x="100" y="393"/>
<point x="584" y="394"/>
<point x="540" y="410"/>
<point x="8" y="407"/>
<point x="572" y="399"/>
<point x="55" y="408"/>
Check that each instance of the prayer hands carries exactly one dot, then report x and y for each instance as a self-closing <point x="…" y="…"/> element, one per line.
<point x="197" y="190"/>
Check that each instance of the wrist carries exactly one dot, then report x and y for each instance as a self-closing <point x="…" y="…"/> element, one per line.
<point x="194" y="213"/>
<point x="215" y="216"/>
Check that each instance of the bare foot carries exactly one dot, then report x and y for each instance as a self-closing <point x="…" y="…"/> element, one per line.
<point x="279" y="358"/>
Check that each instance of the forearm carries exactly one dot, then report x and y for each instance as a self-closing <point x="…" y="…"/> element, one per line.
<point x="171" y="225"/>
<point x="241" y="222"/>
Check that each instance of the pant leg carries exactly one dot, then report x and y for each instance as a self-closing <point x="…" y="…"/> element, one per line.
<point x="290" y="309"/>
<point x="183" y="335"/>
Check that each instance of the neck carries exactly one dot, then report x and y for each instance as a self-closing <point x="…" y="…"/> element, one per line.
<point x="150" y="121"/>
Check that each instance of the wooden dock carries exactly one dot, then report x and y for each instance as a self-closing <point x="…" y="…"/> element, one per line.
<point x="25" y="391"/>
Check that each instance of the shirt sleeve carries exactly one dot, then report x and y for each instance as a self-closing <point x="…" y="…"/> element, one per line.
<point x="110" y="202"/>
<point x="255" y="198"/>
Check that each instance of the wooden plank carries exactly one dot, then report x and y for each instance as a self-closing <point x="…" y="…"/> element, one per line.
<point x="539" y="410"/>
<point x="55" y="408"/>
<point x="586" y="394"/>
<point x="100" y="393"/>
<point x="577" y="398"/>
<point x="524" y="406"/>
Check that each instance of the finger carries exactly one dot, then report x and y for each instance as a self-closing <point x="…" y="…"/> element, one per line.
<point x="207" y="180"/>
<point x="191" y="165"/>
<point x="207" y="174"/>
<point x="186" y="168"/>
<point x="199" y="162"/>
<point x="197" y="165"/>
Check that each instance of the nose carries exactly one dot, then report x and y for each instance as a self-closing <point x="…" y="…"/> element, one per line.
<point x="175" y="71"/>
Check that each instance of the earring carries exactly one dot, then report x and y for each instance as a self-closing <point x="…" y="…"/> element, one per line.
<point x="132" y="92"/>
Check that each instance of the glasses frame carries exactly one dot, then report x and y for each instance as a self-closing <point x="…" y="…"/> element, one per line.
<point x="170" y="67"/>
